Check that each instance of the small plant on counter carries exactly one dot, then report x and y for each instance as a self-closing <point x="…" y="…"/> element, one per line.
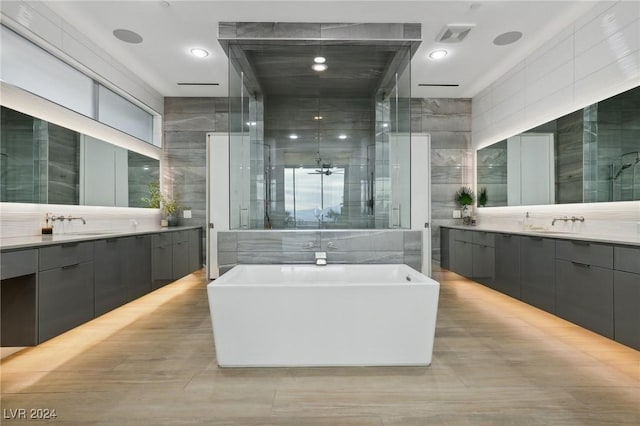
<point x="170" y="207"/>
<point x="464" y="198"/>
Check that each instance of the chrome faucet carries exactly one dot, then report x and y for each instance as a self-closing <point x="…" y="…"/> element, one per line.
<point x="565" y="219"/>
<point x="69" y="218"/>
<point x="321" y="258"/>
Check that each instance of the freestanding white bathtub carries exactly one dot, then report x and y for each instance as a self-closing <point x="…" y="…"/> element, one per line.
<point x="335" y="315"/>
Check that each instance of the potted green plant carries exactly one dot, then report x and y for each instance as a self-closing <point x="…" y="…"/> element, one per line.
<point x="170" y="207"/>
<point x="482" y="197"/>
<point x="464" y="198"/>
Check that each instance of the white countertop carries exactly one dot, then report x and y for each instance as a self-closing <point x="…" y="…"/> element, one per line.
<point x="35" y="241"/>
<point x="632" y="240"/>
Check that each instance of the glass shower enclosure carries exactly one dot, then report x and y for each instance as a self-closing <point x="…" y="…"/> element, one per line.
<point x="314" y="149"/>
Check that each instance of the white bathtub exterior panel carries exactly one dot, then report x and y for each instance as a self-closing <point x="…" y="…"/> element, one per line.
<point x="348" y="315"/>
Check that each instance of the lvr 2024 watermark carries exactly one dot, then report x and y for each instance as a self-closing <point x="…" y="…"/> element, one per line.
<point x="29" y="413"/>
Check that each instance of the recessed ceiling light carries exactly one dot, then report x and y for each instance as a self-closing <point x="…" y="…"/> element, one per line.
<point x="507" y="38"/>
<point x="199" y="53"/>
<point x="252" y="123"/>
<point x="127" y="36"/>
<point x="385" y="124"/>
<point x="318" y="117"/>
<point x="342" y="136"/>
<point x="438" y="54"/>
<point x="319" y="67"/>
<point x="293" y="136"/>
<point x="319" y="59"/>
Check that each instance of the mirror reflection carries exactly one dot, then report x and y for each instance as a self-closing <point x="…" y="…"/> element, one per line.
<point x="590" y="155"/>
<point x="44" y="163"/>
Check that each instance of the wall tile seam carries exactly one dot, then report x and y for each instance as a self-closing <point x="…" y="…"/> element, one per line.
<point x="598" y="16"/>
<point x="616" y="62"/>
<point x="549" y="45"/>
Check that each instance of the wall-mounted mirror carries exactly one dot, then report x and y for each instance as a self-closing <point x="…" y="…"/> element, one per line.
<point x="590" y="155"/>
<point x="44" y="163"/>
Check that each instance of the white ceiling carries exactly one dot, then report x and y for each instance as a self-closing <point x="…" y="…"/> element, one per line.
<point x="171" y="28"/>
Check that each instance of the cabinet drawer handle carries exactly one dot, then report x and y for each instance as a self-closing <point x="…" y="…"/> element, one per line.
<point x="69" y="245"/>
<point x="536" y="238"/>
<point x="111" y="240"/>
<point x="70" y="266"/>
<point x="581" y="243"/>
<point x="506" y="235"/>
<point x="583" y="265"/>
<point x="139" y="237"/>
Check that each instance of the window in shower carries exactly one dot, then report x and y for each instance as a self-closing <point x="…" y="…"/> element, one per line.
<point x="304" y="205"/>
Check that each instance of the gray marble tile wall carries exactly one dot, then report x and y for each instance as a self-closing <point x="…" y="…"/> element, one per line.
<point x="187" y="120"/>
<point x="275" y="247"/>
<point x="448" y="121"/>
<point x="184" y="164"/>
<point x="306" y="30"/>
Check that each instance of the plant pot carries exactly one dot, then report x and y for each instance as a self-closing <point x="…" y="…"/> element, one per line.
<point x="172" y="220"/>
<point x="466" y="215"/>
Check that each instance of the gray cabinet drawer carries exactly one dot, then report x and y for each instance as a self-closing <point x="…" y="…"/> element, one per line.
<point x="180" y="237"/>
<point x="162" y="240"/>
<point x="483" y="238"/>
<point x="627" y="259"/>
<point x="462" y="235"/>
<point x="537" y="272"/>
<point x="584" y="252"/>
<point x="18" y="263"/>
<point x="584" y="296"/>
<point x="65" y="299"/>
<point x="65" y="255"/>
<point x="626" y="302"/>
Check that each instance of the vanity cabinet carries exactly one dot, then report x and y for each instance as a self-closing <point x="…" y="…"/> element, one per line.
<point x="462" y="262"/>
<point x="137" y="266"/>
<point x="109" y="287"/>
<point x="595" y="285"/>
<point x="18" y="292"/>
<point x="195" y="244"/>
<point x="180" y="251"/>
<point x="483" y="257"/>
<point x="174" y="255"/>
<point x="65" y="288"/>
<point x="445" y="248"/>
<point x="115" y="286"/>
<point x="626" y="292"/>
<point x="537" y="272"/>
<point x="507" y="265"/>
<point x="584" y="285"/>
<point x="162" y="259"/>
<point x="54" y="287"/>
